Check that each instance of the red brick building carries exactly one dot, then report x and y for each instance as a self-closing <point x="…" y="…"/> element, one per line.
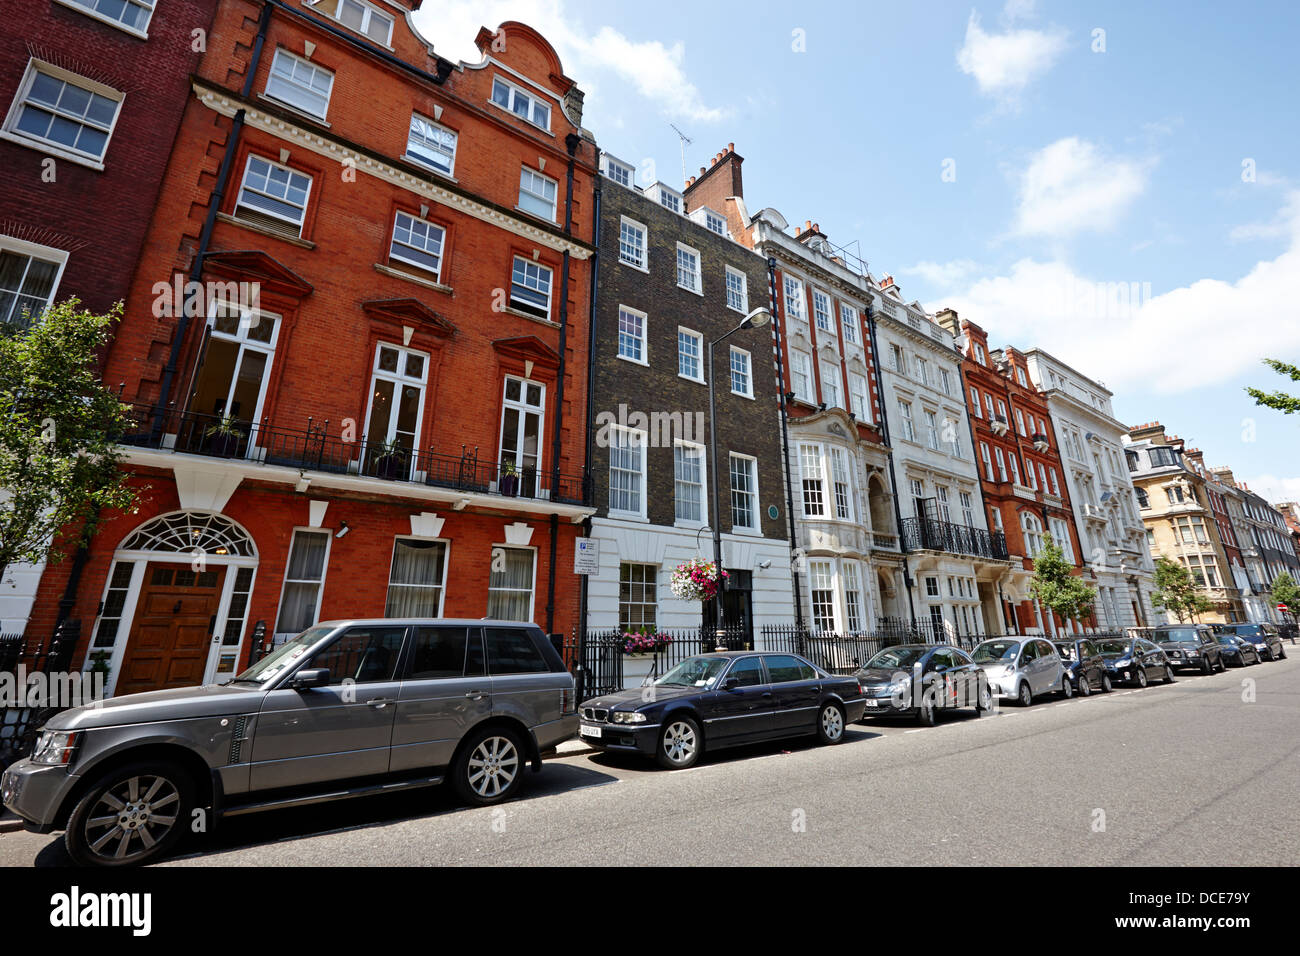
<point x="372" y="400"/>
<point x="1021" y="475"/>
<point x="91" y="98"/>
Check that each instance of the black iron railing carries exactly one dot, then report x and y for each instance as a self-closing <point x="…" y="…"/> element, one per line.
<point x="18" y="721"/>
<point x="313" y="448"/>
<point x="933" y="534"/>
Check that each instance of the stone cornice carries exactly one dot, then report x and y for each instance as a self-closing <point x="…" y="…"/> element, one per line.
<point x="261" y="118"/>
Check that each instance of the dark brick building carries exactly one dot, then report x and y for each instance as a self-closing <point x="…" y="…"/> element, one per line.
<point x="670" y="283"/>
<point x="91" y="96"/>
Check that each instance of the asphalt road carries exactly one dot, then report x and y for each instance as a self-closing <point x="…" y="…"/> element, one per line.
<point x="1193" y="773"/>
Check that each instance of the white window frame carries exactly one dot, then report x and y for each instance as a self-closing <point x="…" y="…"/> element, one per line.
<point x="613" y="165"/>
<point x="807" y="452"/>
<point x="293" y="85"/>
<point x="399" y="379"/>
<point x="849" y="322"/>
<point x="822" y="308"/>
<point x="711" y="217"/>
<point x="532" y="587"/>
<point x="987" y="459"/>
<point x="446" y="565"/>
<point x="749" y="371"/>
<point x="638" y="440"/>
<point x="801" y="364"/>
<point x="11" y="133"/>
<point x="514" y="93"/>
<point x="750" y="465"/>
<point x="701" y="453"/>
<point x="320" y="584"/>
<point x="550" y="285"/>
<point x="87" y="7"/>
<point x="841" y="467"/>
<point x="817" y="569"/>
<point x="905" y="414"/>
<point x="793" y="296"/>
<point x="653" y="584"/>
<point x="241" y="338"/>
<point x="301" y="224"/>
<point x="931" y="429"/>
<point x="830" y="372"/>
<point x="643" y="264"/>
<point x="743" y="293"/>
<point x="975" y="400"/>
<point x="860" y="402"/>
<point x="523" y="407"/>
<point x="698" y="287"/>
<point x="394" y="243"/>
<point x="641" y="340"/>
<point x="424" y="163"/>
<point x="33" y="250"/>
<point x="698" y="338"/>
<point x="370" y="12"/>
<point x="527" y="173"/>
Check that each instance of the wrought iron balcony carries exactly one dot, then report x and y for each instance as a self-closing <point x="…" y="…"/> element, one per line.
<point x="314" y="449"/>
<point x="932" y="534"/>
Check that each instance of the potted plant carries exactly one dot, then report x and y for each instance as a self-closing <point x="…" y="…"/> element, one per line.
<point x="508" y="480"/>
<point x="224" y="437"/>
<point x="389" y="460"/>
<point x="697" y="580"/>
<point x="645" y="641"/>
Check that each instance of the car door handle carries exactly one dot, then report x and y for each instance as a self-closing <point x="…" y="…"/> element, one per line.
<point x="767" y="693"/>
<point x="474" y="695"/>
<point x="379" y="702"/>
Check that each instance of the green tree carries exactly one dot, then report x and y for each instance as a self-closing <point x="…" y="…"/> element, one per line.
<point x="1286" y="591"/>
<point x="1279" y="400"/>
<point x="1056" y="588"/>
<point x="59" y="428"/>
<point x="1176" y="591"/>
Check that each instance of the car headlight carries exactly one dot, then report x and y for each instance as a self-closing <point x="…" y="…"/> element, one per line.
<point x="55" y="747"/>
<point x="629" y="717"/>
<point x="1123" y="662"/>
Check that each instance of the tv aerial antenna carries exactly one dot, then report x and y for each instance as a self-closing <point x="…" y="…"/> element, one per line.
<point x="686" y="141"/>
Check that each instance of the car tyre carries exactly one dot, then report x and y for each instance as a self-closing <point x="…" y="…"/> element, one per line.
<point x="1207" y="666"/>
<point x="1106" y="685"/>
<point x="1067" y="689"/>
<point x="927" y="715"/>
<point x="1141" y="678"/>
<point x="830" y="724"/>
<point x="490" y="766"/>
<point x="1085" y="686"/>
<point x="1024" y="696"/>
<point x="680" y="744"/>
<point x="983" y="700"/>
<point x="1169" y="674"/>
<point x="131" y="815"/>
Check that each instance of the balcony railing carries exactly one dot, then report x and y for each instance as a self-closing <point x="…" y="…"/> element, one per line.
<point x="932" y="534"/>
<point x="313" y="449"/>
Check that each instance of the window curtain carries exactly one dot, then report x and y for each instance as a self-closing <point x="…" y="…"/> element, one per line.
<point x="302" y="582"/>
<point x="510" y="590"/>
<point x="415" y="584"/>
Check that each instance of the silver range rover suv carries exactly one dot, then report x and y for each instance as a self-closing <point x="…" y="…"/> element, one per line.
<point x="345" y="709"/>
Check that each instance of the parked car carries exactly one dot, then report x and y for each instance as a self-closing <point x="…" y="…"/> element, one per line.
<point x="1238" y="651"/>
<point x="920" y="680"/>
<point x="713" y="701"/>
<point x="1022" y="668"/>
<point x="1084" y="666"/>
<point x="1266" y="638"/>
<point x="345" y="709"/>
<point x="1190" y="646"/>
<point x="1134" y="660"/>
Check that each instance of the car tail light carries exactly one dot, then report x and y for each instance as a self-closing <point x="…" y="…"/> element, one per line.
<point x="568" y="702"/>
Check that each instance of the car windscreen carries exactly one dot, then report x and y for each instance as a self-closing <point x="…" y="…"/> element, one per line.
<point x="991" y="651"/>
<point x="892" y="658"/>
<point x="1112" y="647"/>
<point x="694" y="672"/>
<point x="1177" y="635"/>
<point x="1066" y="651"/>
<point x="286" y="655"/>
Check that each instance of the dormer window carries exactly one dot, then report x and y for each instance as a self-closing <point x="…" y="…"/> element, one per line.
<point x="617" y="170"/>
<point x="979" y="354"/>
<point x="671" y="200"/>
<point x="524" y="105"/>
<point x="359" y="17"/>
<point x="715" y="223"/>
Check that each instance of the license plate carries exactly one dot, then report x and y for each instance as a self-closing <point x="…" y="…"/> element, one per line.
<point x="873" y="703"/>
<point x="585" y="731"/>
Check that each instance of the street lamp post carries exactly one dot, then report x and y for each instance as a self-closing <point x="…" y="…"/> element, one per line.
<point x="756" y="319"/>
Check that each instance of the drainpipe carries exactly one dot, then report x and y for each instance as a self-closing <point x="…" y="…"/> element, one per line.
<point x="785" y="443"/>
<point x="979" y="481"/>
<point x="205" y="237"/>
<point x="893" y="478"/>
<point x="592" y="316"/>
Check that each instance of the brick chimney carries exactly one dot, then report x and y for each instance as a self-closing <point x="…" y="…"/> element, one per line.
<point x="1152" y="431"/>
<point x="947" y="319"/>
<point x="717" y="183"/>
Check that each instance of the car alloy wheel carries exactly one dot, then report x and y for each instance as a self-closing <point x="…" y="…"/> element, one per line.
<point x="1085" y="686"/>
<point x="1025" y="695"/>
<point x="985" y="701"/>
<point x="1067" y="689"/>
<point x="130" y="816"/>
<point x="927" y="715"/>
<point x="1106" y="685"/>
<point x="1207" y="666"/>
<point x="679" y="744"/>
<point x="1141" y="677"/>
<point x="490" y="767"/>
<point x="830" y="725"/>
<point x="1169" y="674"/>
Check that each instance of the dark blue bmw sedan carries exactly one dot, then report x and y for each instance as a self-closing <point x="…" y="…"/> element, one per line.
<point x="714" y="701"/>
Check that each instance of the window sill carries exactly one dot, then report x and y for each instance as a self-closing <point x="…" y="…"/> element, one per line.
<point x="633" y="265"/>
<point x="253" y="227"/>
<point x="626" y="516"/>
<point x="736" y="310"/>
<point x="130" y="31"/>
<point x="412" y="277"/>
<point x="642" y="362"/>
<point x="515" y="116"/>
<point x="532" y="215"/>
<point x="691" y="525"/>
<point x="49" y="148"/>
<point x="550" y="323"/>
<point x="295" y="110"/>
<point x="687" y="288"/>
<point x="687" y="378"/>
<point x="742" y="395"/>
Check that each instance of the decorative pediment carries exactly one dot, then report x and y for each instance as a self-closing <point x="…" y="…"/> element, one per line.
<point x="528" y="348"/>
<point x="410" y="312"/>
<point x="253" y="265"/>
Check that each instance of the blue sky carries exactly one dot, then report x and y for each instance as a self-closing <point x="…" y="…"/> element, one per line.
<point x="1162" y="154"/>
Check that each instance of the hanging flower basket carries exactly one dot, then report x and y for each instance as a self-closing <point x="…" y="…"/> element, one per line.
<point x="637" y="643"/>
<point x="696" y="580"/>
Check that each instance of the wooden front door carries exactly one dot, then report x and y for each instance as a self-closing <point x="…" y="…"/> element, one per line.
<point x="168" y="645"/>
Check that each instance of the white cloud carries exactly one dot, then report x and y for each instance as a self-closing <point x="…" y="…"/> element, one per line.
<point x="1275" y="488"/>
<point x="943" y="275"/>
<point x="657" y="71"/>
<point x="1203" y="334"/>
<point x="1003" y="64"/>
<point x="1279" y="227"/>
<point x="1070" y="186"/>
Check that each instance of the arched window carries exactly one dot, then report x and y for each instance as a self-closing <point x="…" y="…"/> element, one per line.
<point x="184" y="532"/>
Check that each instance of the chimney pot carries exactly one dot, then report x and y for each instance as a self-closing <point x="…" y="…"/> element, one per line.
<point x="731" y="147"/>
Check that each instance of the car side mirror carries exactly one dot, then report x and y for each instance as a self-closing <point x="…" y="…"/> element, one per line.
<point x="310" y="677"/>
<point x="731" y="683"/>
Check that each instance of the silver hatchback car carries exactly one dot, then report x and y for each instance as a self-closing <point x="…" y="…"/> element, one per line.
<point x="345" y="709"/>
<point x="1022" y="668"/>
